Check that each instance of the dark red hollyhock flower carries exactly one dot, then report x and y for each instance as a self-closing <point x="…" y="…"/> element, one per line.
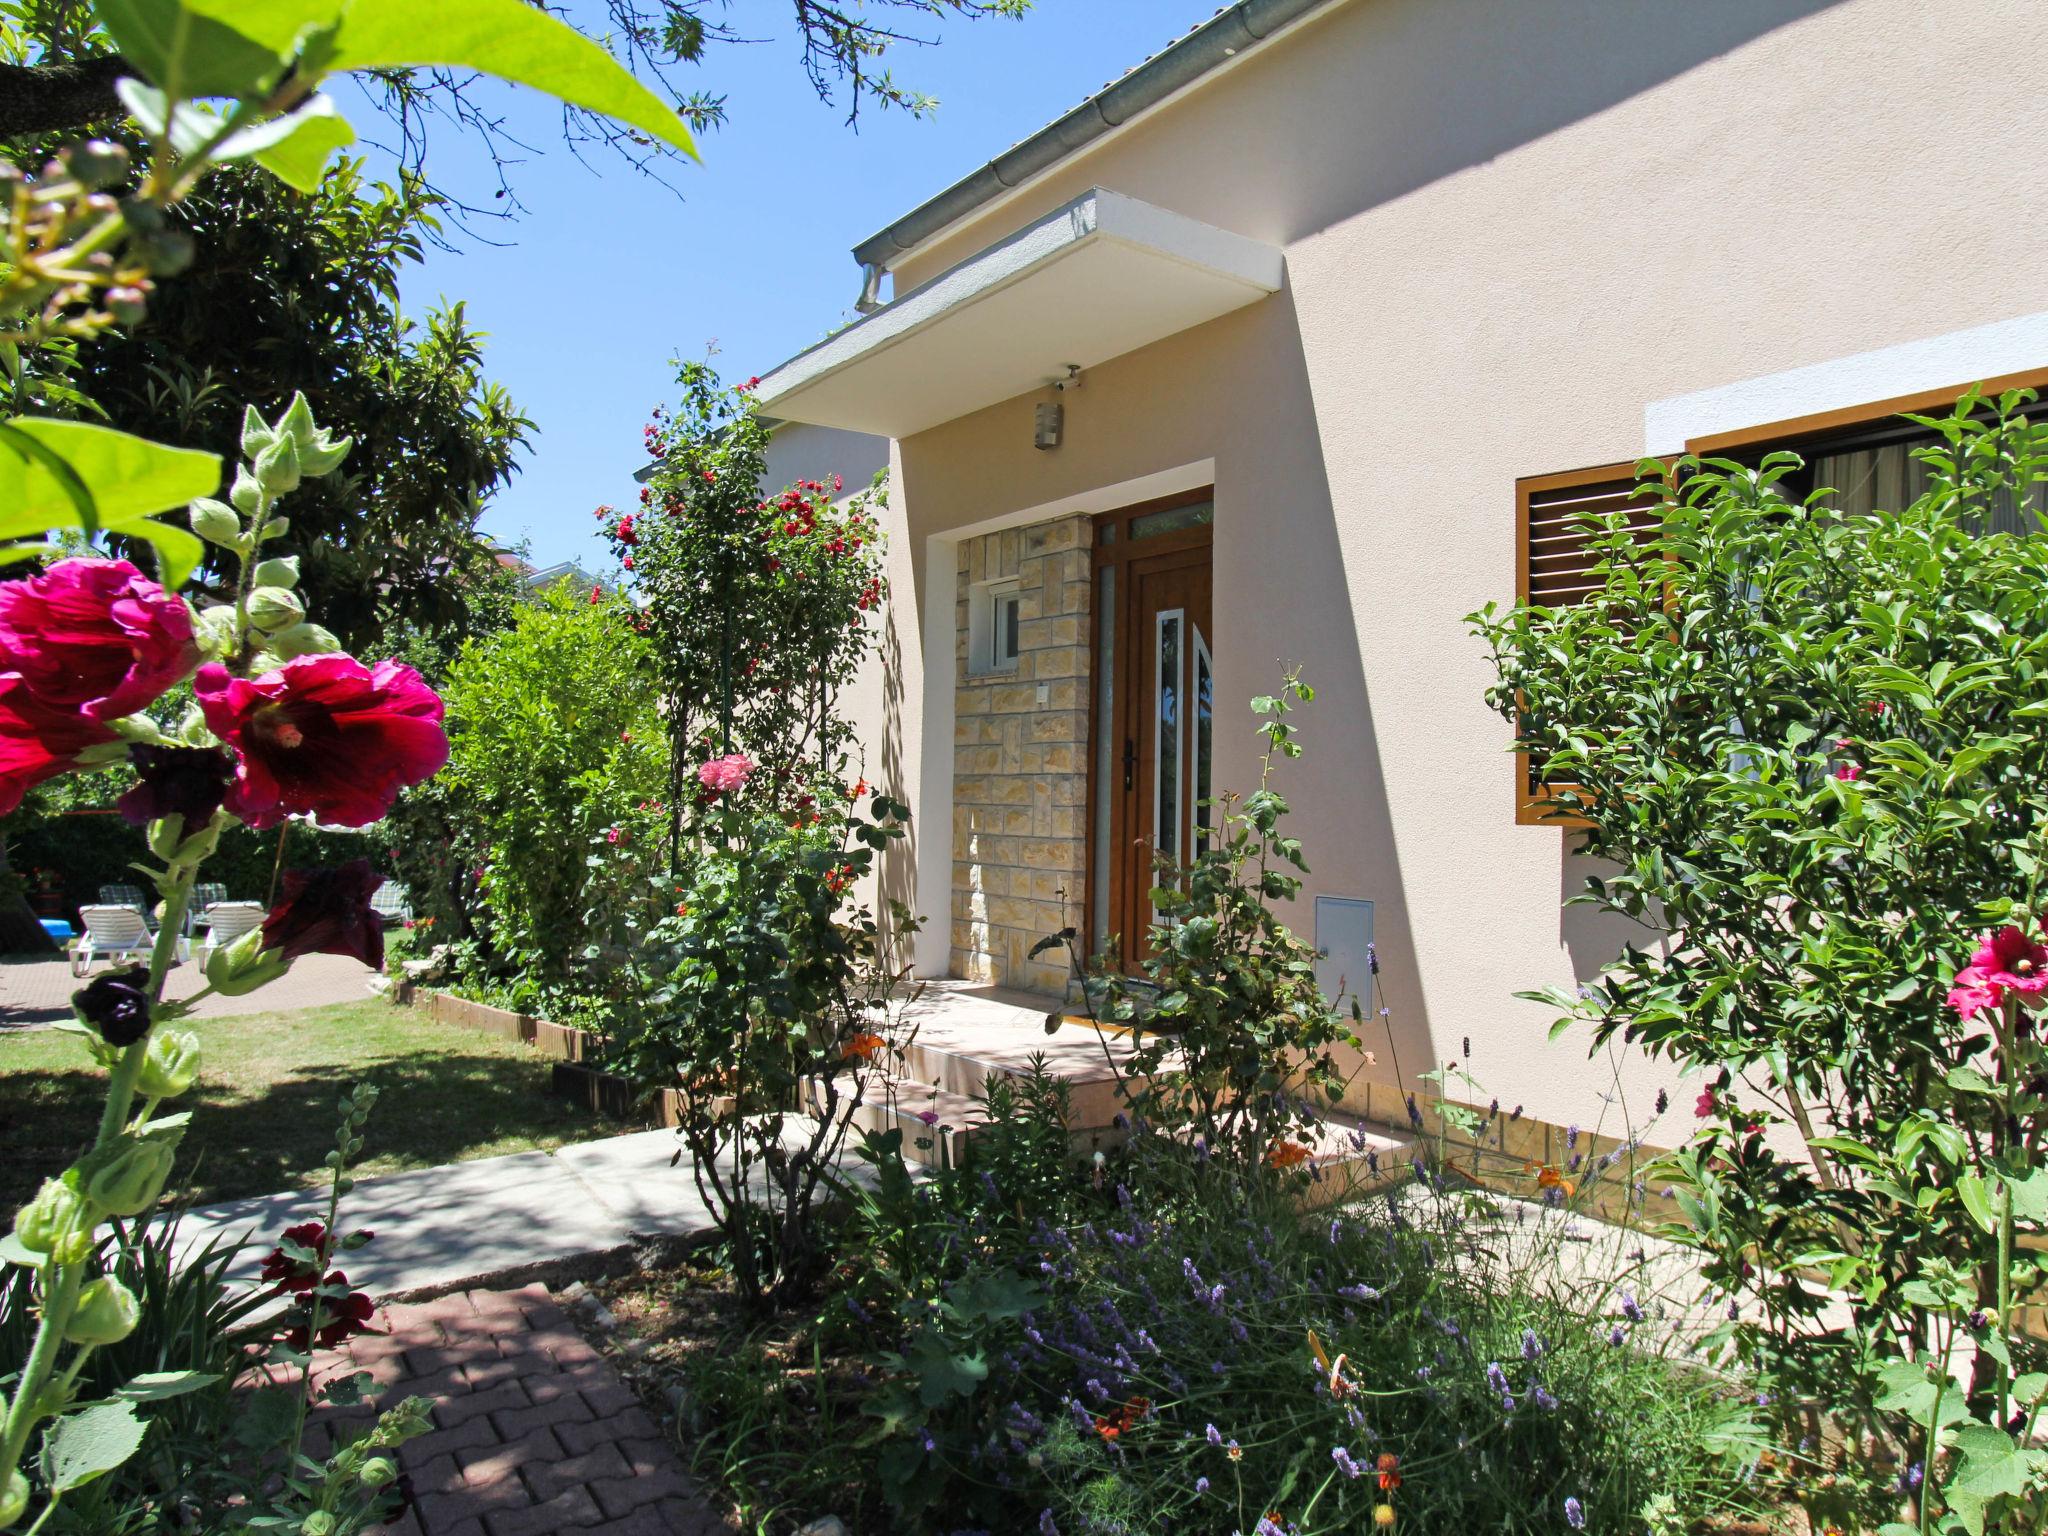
<point x="38" y="741"/>
<point x="176" y="781"/>
<point x="325" y="735"/>
<point x="293" y="1275"/>
<point x="328" y="912"/>
<point x="340" y="1319"/>
<point x="94" y="636"/>
<point x="116" y="1005"/>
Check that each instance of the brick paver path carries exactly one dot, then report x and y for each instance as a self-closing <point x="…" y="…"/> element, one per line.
<point x="534" y="1432"/>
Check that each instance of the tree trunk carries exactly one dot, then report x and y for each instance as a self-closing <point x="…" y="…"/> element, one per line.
<point x="59" y="98"/>
<point x="21" y="931"/>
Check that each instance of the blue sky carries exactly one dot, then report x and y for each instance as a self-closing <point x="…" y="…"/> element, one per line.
<point x="608" y="276"/>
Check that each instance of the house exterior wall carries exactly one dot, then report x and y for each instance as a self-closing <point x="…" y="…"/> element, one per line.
<point x="1509" y="231"/>
<point x="1020" y="759"/>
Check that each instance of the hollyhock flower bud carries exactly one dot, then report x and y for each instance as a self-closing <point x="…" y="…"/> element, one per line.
<point x="176" y="781"/>
<point x="272" y="608"/>
<point x="304" y="640"/>
<point x="217" y="523"/>
<point x="377" y="1472"/>
<point x="125" y="1177"/>
<point x="13" y="1499"/>
<point x="96" y="637"/>
<point x="325" y="735"/>
<point x="115" y="1005"/>
<point x="106" y="1313"/>
<point x="328" y="912"/>
<point x="171" y="1065"/>
<point x="242" y="966"/>
<point x="278" y="571"/>
<point x="39" y="741"/>
<point x="56" y="1223"/>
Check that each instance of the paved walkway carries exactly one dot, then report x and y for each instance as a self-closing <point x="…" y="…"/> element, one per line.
<point x="37" y="993"/>
<point x="493" y="1221"/>
<point x="534" y="1432"/>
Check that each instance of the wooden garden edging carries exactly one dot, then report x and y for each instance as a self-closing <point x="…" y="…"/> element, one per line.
<point x="568" y="1047"/>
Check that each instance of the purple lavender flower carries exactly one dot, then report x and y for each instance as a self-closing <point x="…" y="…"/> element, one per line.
<point x="1630" y="1307"/>
<point x="1571" y="1138"/>
<point x="1201" y="1485"/>
<point x="1266" y="1527"/>
<point x="1358" y="1292"/>
<point x="1497" y="1379"/>
<point x="1045" y="1524"/>
<point x="1532" y="1345"/>
<point x="1345" y="1463"/>
<point x="1618" y="1337"/>
<point x="1541" y="1397"/>
<point x="1213" y="1435"/>
<point x="1574" y="1513"/>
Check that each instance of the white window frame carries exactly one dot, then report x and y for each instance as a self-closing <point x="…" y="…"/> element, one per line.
<point x="989" y="603"/>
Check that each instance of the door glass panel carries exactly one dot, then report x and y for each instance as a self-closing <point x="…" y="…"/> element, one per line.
<point x="1167" y="800"/>
<point x="1173" y="519"/>
<point x="1205" y="710"/>
<point x="1107" y="757"/>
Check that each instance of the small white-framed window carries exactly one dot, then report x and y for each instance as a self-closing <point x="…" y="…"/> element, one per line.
<point x="994" y="620"/>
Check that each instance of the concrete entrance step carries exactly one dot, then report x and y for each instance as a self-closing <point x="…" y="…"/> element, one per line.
<point x="961" y="1032"/>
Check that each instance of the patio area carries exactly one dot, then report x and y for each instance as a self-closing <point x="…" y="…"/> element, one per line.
<point x="37" y="993"/>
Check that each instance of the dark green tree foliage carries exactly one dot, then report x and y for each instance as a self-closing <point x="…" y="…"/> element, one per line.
<point x="301" y="293"/>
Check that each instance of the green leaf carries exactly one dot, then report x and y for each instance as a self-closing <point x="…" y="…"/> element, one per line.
<point x="511" y="39"/>
<point x="14" y="1251"/>
<point x="155" y="1386"/>
<point x="295" y="149"/>
<point x="1975" y="1194"/>
<point x="90" y="1443"/>
<point x="72" y="474"/>
<point x="188" y="52"/>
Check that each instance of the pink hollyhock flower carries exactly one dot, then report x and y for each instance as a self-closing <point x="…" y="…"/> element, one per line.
<point x="2009" y="960"/>
<point x="94" y="636"/>
<point x="1971" y="994"/>
<point x="724" y="775"/>
<point x="1849" y="772"/>
<point x="325" y="735"/>
<point x="38" y="741"/>
<point x="1703" y="1106"/>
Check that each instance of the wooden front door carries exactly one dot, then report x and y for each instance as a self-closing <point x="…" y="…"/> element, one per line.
<point x="1154" y="709"/>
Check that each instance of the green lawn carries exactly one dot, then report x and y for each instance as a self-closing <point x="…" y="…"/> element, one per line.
<point x="264" y="1106"/>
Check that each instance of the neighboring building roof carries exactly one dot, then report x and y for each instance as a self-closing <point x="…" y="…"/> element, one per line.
<point x="1208" y="47"/>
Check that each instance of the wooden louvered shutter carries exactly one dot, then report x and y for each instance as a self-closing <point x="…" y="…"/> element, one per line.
<point x="1553" y="567"/>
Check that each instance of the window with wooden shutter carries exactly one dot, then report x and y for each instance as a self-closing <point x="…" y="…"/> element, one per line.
<point x="1554" y="567"/>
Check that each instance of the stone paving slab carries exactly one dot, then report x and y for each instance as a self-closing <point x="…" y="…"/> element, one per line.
<point x="493" y="1218"/>
<point x="534" y="1431"/>
<point x="37" y="993"/>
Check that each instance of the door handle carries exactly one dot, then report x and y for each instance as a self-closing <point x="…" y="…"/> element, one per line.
<point x="1130" y="762"/>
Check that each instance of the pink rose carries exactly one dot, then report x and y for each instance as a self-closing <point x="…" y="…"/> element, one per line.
<point x="726" y="775"/>
<point x="325" y="735"/>
<point x="94" y="636"/>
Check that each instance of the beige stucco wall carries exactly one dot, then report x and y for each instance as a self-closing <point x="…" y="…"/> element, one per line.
<point x="1508" y="228"/>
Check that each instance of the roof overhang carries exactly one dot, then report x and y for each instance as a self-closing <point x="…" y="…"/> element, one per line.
<point x="1102" y="276"/>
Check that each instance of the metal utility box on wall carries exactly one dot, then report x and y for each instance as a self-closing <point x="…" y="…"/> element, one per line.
<point x="1343" y="949"/>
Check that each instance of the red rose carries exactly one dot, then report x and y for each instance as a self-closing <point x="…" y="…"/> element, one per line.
<point x="325" y="735"/>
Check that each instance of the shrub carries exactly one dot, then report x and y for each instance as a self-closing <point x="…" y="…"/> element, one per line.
<point x="1809" y="747"/>
<point x="555" y="745"/>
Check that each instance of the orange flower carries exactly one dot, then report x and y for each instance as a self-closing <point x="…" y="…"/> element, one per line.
<point x="1287" y="1154"/>
<point x="1389" y="1467"/>
<point x="1114" y="1423"/>
<point x="1550" y="1178"/>
<point x="863" y="1045"/>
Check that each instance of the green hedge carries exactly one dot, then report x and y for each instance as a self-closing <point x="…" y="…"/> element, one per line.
<point x="89" y="849"/>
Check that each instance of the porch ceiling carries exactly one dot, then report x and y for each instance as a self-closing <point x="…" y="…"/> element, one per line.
<point x="1100" y="277"/>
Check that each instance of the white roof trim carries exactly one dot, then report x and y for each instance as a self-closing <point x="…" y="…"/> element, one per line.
<point x="1100" y="277"/>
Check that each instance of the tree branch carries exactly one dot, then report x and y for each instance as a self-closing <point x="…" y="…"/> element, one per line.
<point x="56" y="98"/>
